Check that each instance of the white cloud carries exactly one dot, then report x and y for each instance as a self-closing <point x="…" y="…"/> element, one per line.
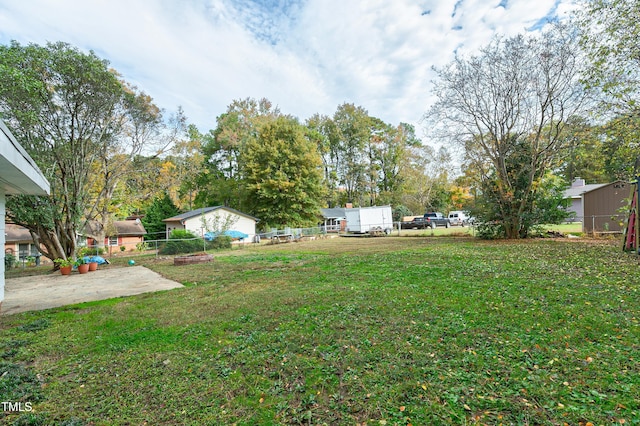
<point x="305" y="56"/>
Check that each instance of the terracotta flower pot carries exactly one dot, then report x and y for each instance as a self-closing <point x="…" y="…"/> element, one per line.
<point x="93" y="266"/>
<point x="84" y="268"/>
<point x="66" y="270"/>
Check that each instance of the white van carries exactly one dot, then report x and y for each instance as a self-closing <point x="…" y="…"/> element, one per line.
<point x="458" y="218"/>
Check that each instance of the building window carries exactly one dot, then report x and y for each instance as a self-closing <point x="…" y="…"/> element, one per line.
<point x="113" y="241"/>
<point x="23" y="251"/>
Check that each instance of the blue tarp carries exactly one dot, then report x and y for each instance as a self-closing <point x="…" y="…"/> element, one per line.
<point x="98" y="259"/>
<point x="236" y="235"/>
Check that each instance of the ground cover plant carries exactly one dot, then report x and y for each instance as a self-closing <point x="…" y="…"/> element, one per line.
<point x="346" y="331"/>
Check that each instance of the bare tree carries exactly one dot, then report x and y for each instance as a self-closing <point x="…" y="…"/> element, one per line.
<point x="508" y="105"/>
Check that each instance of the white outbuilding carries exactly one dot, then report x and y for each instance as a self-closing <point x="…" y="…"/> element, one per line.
<point x="213" y="219"/>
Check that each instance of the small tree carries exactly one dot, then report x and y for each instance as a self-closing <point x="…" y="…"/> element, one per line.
<point x="161" y="208"/>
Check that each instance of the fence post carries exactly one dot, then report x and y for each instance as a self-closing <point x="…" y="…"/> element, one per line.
<point x="593" y="226"/>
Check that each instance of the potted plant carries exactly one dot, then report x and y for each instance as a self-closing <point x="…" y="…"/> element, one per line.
<point x="65" y="265"/>
<point x="93" y="265"/>
<point x="82" y="265"/>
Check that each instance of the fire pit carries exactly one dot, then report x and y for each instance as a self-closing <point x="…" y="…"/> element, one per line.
<point x="191" y="259"/>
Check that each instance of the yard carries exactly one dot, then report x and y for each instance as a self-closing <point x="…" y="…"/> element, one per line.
<point x="392" y="330"/>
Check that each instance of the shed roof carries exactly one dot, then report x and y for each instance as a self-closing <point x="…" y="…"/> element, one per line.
<point x="577" y="191"/>
<point x="205" y="210"/>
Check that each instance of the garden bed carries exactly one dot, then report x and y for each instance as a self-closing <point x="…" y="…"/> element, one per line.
<point x="191" y="259"/>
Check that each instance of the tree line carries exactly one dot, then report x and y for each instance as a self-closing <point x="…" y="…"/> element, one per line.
<point x="526" y="114"/>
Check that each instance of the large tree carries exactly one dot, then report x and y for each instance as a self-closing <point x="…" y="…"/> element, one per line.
<point x="351" y="131"/>
<point x="221" y="180"/>
<point x="610" y="30"/>
<point x="283" y="175"/>
<point x="69" y="110"/>
<point x="426" y="179"/>
<point x="509" y="104"/>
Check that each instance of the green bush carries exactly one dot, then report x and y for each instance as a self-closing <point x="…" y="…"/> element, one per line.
<point x="9" y="260"/>
<point x="90" y="251"/>
<point x="143" y="246"/>
<point x="182" y="241"/>
<point x="219" y="243"/>
<point x="490" y="231"/>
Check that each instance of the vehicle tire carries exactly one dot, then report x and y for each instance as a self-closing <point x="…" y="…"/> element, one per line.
<point x="447" y="225"/>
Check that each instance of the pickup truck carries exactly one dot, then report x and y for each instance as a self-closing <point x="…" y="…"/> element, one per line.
<point x="418" y="222"/>
<point x="434" y="219"/>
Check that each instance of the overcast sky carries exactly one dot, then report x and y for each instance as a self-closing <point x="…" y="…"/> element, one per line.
<point x="306" y="56"/>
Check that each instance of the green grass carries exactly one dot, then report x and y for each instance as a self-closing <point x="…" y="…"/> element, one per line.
<point x="345" y="331"/>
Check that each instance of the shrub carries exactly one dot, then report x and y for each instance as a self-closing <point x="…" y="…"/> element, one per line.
<point x="181" y="241"/>
<point x="143" y="246"/>
<point x="220" y="242"/>
<point x="9" y="260"/>
<point x="90" y="251"/>
<point x="490" y="230"/>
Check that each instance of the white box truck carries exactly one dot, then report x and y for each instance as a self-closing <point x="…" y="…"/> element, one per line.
<point x="364" y="220"/>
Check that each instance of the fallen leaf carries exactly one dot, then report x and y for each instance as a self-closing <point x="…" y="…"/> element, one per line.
<point x="466" y="407"/>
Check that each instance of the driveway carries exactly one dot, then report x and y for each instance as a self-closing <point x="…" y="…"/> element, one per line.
<point x="50" y="291"/>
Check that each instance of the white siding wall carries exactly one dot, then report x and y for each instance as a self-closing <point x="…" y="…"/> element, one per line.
<point x="170" y="227"/>
<point x="2" y="217"/>
<point x="240" y="223"/>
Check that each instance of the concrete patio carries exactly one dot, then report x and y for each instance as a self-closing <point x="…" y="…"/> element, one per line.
<point x="50" y="291"/>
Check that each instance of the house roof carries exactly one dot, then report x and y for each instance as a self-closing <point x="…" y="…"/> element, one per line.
<point x="616" y="184"/>
<point x="333" y="213"/>
<point x="18" y="172"/>
<point x="15" y="233"/>
<point x="577" y="191"/>
<point x="122" y="228"/>
<point x="204" y="210"/>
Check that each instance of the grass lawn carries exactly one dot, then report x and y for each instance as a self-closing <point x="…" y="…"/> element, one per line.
<point x="393" y="330"/>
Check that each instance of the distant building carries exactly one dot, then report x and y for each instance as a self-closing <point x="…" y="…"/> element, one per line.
<point x="18" y="242"/>
<point x="201" y="220"/>
<point x="575" y="193"/>
<point x="123" y="233"/>
<point x="334" y="219"/>
<point x="606" y="207"/>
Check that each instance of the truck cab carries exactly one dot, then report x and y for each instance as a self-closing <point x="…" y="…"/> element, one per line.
<point x="435" y="219"/>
